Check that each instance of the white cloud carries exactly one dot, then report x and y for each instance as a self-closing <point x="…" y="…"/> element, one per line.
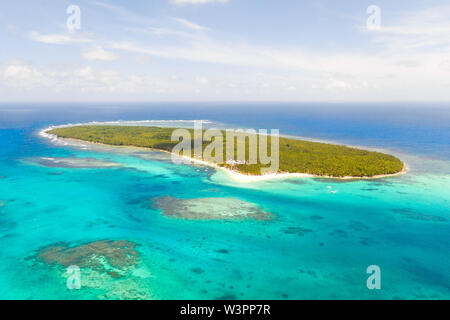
<point x="20" y="72"/>
<point x="410" y="64"/>
<point x="84" y="73"/>
<point x="109" y="76"/>
<point x="100" y="54"/>
<point x="124" y="14"/>
<point x="418" y="29"/>
<point x="355" y="74"/>
<point x="230" y="85"/>
<point x="161" y="32"/>
<point x="17" y="76"/>
<point x="240" y="54"/>
<point x="445" y="65"/>
<point x="59" y="38"/>
<point x="190" y="24"/>
<point x="339" y="84"/>
<point x="182" y="2"/>
<point x="202" y="80"/>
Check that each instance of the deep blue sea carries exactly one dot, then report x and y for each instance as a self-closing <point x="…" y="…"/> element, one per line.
<point x="104" y="209"/>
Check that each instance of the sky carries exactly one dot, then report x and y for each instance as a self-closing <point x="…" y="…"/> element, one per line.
<point x="224" y="50"/>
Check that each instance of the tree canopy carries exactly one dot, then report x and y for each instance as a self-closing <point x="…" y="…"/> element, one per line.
<point x="295" y="156"/>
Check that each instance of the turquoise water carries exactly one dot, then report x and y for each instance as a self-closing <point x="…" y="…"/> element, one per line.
<point x="323" y="236"/>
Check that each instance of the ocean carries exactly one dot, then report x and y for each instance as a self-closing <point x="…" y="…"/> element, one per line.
<point x="112" y="214"/>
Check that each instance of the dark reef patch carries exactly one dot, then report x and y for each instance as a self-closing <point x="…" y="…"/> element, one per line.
<point x="370" y="189"/>
<point x="358" y="226"/>
<point x="411" y="214"/>
<point x="210" y="209"/>
<point x="422" y="272"/>
<point x="197" y="270"/>
<point x="297" y="231"/>
<point x="338" y="233"/>
<point x="227" y="296"/>
<point x="380" y="182"/>
<point x="367" y="241"/>
<point x="308" y="272"/>
<point x="76" y="163"/>
<point x="55" y="173"/>
<point x="223" y="251"/>
<point x="108" y="256"/>
<point x="110" y="269"/>
<point x="291" y="181"/>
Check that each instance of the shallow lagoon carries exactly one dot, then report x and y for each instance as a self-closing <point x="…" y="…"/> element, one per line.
<point x="323" y="235"/>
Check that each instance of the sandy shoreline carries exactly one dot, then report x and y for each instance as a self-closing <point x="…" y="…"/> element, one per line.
<point x="234" y="175"/>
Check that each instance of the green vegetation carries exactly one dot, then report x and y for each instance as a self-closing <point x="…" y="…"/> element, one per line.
<point x="296" y="156"/>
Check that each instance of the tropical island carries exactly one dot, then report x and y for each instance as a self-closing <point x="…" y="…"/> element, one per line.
<point x="295" y="156"/>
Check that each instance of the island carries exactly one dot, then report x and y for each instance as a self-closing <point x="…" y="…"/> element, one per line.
<point x="295" y="156"/>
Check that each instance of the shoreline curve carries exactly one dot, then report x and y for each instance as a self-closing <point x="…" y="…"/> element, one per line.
<point x="234" y="175"/>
